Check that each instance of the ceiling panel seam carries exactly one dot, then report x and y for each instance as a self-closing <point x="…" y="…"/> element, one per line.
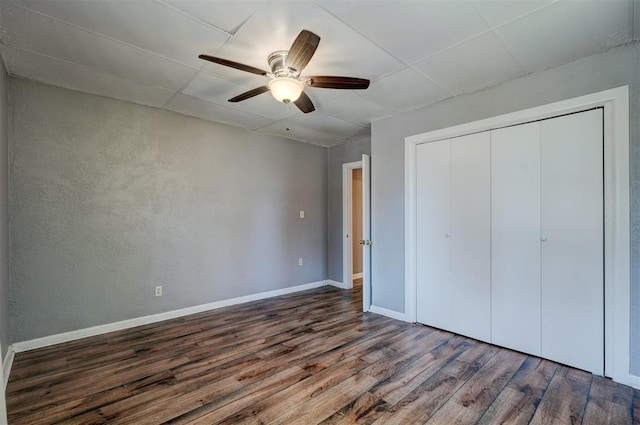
<point x="106" y="37"/>
<point x="186" y="14"/>
<point x="497" y="36"/>
<point x="225" y="107"/>
<point x="491" y="29"/>
<point x="89" y="68"/>
<point x="363" y="36"/>
<point x="184" y="86"/>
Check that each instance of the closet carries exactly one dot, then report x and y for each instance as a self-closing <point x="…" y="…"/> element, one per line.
<point x="454" y="235"/>
<point x="509" y="239"/>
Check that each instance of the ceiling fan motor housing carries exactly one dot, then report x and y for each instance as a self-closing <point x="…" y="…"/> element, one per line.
<point x="279" y="66"/>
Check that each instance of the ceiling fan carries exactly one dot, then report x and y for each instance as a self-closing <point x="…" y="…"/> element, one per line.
<point x="286" y="84"/>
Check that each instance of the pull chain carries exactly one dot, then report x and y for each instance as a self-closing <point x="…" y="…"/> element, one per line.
<point x="288" y="115"/>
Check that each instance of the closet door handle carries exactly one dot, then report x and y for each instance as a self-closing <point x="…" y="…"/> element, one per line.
<point x="447" y="235"/>
<point x="543" y="239"/>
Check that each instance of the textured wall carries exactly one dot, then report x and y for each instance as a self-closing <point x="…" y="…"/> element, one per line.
<point x="338" y="155"/>
<point x="615" y="68"/>
<point x="109" y="199"/>
<point x="4" y="215"/>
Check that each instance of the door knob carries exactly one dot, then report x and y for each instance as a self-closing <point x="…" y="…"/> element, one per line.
<point x="365" y="242"/>
<point x="543" y="239"/>
<point x="447" y="235"/>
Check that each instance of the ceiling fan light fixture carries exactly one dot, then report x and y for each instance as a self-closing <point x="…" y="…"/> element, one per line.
<point x="285" y="89"/>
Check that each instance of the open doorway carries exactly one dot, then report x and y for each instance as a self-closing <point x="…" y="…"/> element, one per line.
<point x="355" y="218"/>
<point x="352" y="223"/>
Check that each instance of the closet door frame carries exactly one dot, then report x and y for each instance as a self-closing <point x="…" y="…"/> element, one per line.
<point x="615" y="104"/>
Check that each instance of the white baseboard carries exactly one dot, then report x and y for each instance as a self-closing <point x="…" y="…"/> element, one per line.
<point x="389" y="313"/>
<point x="7" y="362"/>
<point x="46" y="341"/>
<point x="357" y="276"/>
<point x="336" y="284"/>
<point x="633" y="381"/>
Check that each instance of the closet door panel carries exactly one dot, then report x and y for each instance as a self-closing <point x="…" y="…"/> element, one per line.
<point x="515" y="237"/>
<point x="433" y="212"/>
<point x="572" y="231"/>
<point x="471" y="236"/>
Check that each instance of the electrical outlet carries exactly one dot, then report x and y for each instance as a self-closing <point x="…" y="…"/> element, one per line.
<point x="301" y="214"/>
<point x="159" y="291"/>
<point x="299" y="261"/>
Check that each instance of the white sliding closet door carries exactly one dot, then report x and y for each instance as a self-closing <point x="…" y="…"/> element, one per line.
<point x="572" y="235"/>
<point x="471" y="236"/>
<point x="433" y="211"/>
<point x="515" y="237"/>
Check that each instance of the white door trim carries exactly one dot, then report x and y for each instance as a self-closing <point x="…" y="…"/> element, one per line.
<point x="616" y="187"/>
<point x="366" y="232"/>
<point x="347" y="222"/>
<point x="4" y="378"/>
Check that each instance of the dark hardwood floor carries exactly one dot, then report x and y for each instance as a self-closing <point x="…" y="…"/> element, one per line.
<point x="305" y="358"/>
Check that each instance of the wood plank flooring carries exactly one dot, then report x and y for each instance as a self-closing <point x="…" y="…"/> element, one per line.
<point x="305" y="358"/>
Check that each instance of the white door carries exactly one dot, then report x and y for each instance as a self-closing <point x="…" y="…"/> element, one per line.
<point x="515" y="237"/>
<point x="366" y="232"/>
<point x="433" y="241"/>
<point x="471" y="236"/>
<point x="572" y="235"/>
<point x="3" y="405"/>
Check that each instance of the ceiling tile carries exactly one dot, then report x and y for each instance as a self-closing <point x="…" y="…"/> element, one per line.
<point x="303" y="135"/>
<point x="191" y="106"/>
<point x="217" y="90"/>
<point x="321" y="97"/>
<point x="410" y="29"/>
<point x="497" y="12"/>
<point x="356" y="109"/>
<point x="471" y="66"/>
<point x="212" y="89"/>
<point x="146" y="50"/>
<point x="30" y="31"/>
<point x="314" y="127"/>
<point x="141" y="23"/>
<point x="342" y="51"/>
<point x="405" y="90"/>
<point x="566" y="31"/>
<point x="67" y="75"/>
<point x="219" y="13"/>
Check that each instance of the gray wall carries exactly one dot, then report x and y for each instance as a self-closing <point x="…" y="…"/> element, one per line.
<point x="109" y="199"/>
<point x="4" y="217"/>
<point x="617" y="67"/>
<point x="338" y="155"/>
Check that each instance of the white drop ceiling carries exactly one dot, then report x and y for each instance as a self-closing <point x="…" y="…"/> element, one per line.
<point x="415" y="52"/>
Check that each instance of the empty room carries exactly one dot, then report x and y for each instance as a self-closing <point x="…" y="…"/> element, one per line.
<point x="320" y="212"/>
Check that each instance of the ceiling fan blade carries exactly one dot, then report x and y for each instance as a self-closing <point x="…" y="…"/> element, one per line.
<point x="232" y="64"/>
<point x="326" y="82"/>
<point x="304" y="103"/>
<point x="302" y="49"/>
<point x="249" y="94"/>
